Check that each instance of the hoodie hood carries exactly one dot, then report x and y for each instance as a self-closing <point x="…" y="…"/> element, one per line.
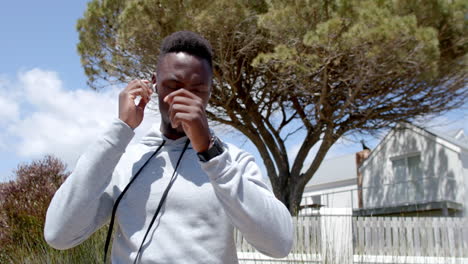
<point x="154" y="137"/>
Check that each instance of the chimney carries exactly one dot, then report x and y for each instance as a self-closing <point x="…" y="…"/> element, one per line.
<point x="361" y="156"/>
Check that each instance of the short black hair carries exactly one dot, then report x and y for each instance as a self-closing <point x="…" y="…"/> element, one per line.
<point x="189" y="42"/>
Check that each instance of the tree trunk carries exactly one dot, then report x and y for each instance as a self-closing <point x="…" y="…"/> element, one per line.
<point x="290" y="192"/>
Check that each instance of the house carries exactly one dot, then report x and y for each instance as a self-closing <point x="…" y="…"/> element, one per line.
<point x="416" y="171"/>
<point x="412" y="171"/>
<point x="334" y="185"/>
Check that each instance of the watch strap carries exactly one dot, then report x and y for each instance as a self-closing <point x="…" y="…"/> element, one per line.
<point x="215" y="150"/>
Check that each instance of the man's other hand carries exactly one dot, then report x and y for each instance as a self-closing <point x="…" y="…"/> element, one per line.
<point x="129" y="112"/>
<point x="186" y="109"/>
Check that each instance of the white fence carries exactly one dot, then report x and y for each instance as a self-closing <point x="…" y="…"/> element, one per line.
<point x="374" y="240"/>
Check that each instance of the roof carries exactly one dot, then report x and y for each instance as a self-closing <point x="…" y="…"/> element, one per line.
<point x="335" y="169"/>
<point x="457" y="137"/>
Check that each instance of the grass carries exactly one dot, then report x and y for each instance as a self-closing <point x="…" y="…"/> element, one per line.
<point x="38" y="252"/>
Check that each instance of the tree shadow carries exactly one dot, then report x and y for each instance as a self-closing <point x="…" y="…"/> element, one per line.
<point x="436" y="179"/>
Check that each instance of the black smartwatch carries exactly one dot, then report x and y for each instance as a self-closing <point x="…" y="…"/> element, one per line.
<point x="212" y="152"/>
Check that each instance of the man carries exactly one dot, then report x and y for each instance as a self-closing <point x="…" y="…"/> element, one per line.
<point x="187" y="191"/>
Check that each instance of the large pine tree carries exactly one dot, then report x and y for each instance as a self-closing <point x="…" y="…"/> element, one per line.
<point x="322" y="68"/>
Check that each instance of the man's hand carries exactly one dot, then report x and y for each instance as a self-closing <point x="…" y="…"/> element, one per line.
<point x="129" y="112"/>
<point x="187" y="109"/>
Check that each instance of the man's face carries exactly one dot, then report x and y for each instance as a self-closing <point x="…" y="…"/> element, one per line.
<point x="181" y="71"/>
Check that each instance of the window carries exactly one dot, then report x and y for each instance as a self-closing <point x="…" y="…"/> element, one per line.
<point x="408" y="186"/>
<point x="414" y="168"/>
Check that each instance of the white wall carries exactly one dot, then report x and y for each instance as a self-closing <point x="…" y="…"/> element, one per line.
<point x="337" y="197"/>
<point x="464" y="187"/>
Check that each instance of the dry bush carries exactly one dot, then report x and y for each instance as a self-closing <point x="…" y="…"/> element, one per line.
<point x="24" y="202"/>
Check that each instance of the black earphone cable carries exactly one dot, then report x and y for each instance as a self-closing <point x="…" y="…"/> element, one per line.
<point x="161" y="202"/>
<point x="116" y="204"/>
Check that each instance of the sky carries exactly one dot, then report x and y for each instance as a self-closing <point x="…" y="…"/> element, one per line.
<point x="47" y="108"/>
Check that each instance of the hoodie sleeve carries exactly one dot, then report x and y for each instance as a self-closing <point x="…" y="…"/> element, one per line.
<point x="253" y="209"/>
<point x="84" y="202"/>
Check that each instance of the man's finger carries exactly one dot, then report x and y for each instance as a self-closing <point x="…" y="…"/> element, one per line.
<point x="131" y="85"/>
<point x="135" y="84"/>
<point x="143" y="93"/>
<point x="182" y="118"/>
<point x="174" y="109"/>
<point x="142" y="104"/>
<point x="137" y="92"/>
<point x="180" y="92"/>
<point x="145" y="84"/>
<point x="185" y="101"/>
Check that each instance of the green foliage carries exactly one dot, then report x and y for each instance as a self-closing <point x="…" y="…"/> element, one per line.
<point x="119" y="40"/>
<point x="409" y="32"/>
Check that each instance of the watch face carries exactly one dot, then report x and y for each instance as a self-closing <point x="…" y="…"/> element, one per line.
<point x="212" y="152"/>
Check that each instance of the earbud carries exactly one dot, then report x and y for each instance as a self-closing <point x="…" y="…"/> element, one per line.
<point x="155" y="88"/>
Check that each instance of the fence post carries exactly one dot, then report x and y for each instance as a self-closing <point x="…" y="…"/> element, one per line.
<point x="337" y="237"/>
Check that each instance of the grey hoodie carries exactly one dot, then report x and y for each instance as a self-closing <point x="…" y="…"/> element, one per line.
<point x="207" y="201"/>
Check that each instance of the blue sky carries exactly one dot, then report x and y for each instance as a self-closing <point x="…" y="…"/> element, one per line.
<point x="36" y="35"/>
<point x="45" y="105"/>
<point x="41" y="34"/>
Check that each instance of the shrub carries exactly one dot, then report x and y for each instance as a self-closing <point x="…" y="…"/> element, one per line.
<point x="24" y="202"/>
<point x="23" y="206"/>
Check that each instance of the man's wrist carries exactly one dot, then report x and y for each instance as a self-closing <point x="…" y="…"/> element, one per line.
<point x="201" y="147"/>
<point x="126" y="123"/>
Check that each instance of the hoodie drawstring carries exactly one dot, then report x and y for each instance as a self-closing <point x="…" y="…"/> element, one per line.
<point x="161" y="202"/>
<point x="116" y="204"/>
<point x="163" y="198"/>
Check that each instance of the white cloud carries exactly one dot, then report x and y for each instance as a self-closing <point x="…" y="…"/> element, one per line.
<point x="9" y="110"/>
<point x="45" y="118"/>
